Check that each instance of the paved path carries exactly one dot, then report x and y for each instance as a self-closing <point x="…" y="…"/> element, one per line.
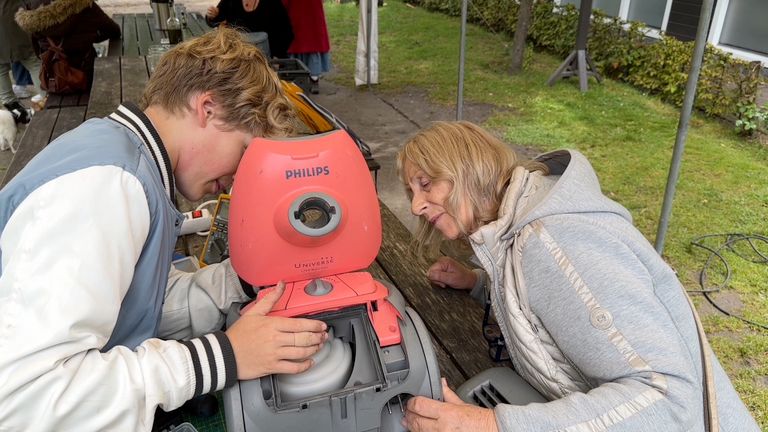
<point x="385" y="121"/>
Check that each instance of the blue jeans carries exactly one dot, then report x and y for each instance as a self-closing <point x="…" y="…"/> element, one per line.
<point x="20" y="74"/>
<point x="6" y="87"/>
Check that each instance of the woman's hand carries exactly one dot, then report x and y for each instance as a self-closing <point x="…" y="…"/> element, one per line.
<point x="447" y="272"/>
<point x="212" y="13"/>
<point x="426" y="415"/>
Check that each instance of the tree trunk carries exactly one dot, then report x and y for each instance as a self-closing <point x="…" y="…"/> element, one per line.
<point x="524" y="13"/>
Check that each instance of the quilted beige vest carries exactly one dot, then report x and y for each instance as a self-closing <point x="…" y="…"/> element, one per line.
<point x="534" y="354"/>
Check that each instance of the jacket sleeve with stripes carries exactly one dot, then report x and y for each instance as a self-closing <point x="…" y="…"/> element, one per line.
<point x="68" y="255"/>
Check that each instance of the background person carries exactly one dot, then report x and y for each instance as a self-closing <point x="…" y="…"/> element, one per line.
<point x="23" y="86"/>
<point x="593" y="318"/>
<point x="15" y="45"/>
<point x="87" y="234"/>
<point x="75" y="24"/>
<point x="310" y="43"/>
<point x="267" y="16"/>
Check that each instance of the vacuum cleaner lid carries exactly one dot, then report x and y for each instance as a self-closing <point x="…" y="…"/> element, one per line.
<point x="302" y="208"/>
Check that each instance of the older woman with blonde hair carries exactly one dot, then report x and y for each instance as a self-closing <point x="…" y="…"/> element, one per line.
<point x="592" y="316"/>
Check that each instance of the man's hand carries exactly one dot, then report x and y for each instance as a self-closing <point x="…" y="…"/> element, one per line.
<point x="447" y="272"/>
<point x="426" y="415"/>
<point x="265" y="345"/>
<point x="213" y="12"/>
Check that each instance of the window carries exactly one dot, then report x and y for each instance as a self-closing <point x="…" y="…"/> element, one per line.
<point x="609" y="7"/>
<point x="738" y="26"/>
<point x="745" y="25"/>
<point x="651" y="12"/>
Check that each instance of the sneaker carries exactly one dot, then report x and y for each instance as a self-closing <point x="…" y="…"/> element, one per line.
<point x="22" y="91"/>
<point x="314" y="85"/>
<point x="19" y="112"/>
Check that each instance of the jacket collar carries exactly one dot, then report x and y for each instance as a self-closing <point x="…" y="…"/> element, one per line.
<point x="512" y="205"/>
<point x="133" y="118"/>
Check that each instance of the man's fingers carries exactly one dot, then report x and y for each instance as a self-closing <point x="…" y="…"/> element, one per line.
<point x="296" y="325"/>
<point x="266" y="303"/>
<point x="298" y="353"/>
<point x="291" y="366"/>
<point x="303" y="339"/>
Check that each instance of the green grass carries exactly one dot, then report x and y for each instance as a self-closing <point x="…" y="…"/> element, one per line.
<point x="627" y="135"/>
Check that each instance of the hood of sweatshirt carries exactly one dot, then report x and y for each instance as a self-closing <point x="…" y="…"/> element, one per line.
<point x="571" y="188"/>
<point x="577" y="190"/>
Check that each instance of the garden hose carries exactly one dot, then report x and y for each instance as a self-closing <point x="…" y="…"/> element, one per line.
<point x="716" y="255"/>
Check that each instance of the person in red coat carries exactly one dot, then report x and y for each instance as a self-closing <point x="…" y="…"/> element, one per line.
<point x="310" y="38"/>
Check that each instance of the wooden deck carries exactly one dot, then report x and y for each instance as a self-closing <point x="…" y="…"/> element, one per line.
<point x="452" y="318"/>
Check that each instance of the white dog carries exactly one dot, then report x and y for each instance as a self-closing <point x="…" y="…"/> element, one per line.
<point x="7" y="130"/>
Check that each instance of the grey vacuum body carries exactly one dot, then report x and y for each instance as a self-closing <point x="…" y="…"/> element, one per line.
<point x="355" y="384"/>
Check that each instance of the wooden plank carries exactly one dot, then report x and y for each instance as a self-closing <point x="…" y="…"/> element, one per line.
<point x="84" y="97"/>
<point x="70" y="100"/>
<point x="116" y="45"/>
<point x="196" y="24"/>
<point x="186" y="33"/>
<point x="106" y="90"/>
<point x="453" y="318"/>
<point x="183" y="15"/>
<point x="130" y="38"/>
<point x="157" y="34"/>
<point x="36" y="137"/>
<point x="69" y="118"/>
<point x="144" y="32"/>
<point x="134" y="77"/>
<point x="63" y="100"/>
<point x="53" y="101"/>
<point x="115" y="48"/>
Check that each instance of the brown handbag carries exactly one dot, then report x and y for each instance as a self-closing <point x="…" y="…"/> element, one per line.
<point x="57" y="75"/>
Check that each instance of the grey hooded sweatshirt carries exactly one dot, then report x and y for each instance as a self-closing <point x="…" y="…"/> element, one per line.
<point x="593" y="317"/>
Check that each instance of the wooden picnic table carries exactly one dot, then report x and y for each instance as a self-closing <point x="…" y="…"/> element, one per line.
<point x="451" y="317"/>
<point x="139" y="32"/>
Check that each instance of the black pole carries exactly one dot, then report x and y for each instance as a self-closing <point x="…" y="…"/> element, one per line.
<point x="582" y="32"/>
<point x="578" y="62"/>
<point x="685" y="117"/>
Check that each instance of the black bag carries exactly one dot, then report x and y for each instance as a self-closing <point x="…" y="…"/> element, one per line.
<point x="57" y="75"/>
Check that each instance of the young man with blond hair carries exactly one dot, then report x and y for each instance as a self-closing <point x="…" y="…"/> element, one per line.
<point x="89" y="314"/>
